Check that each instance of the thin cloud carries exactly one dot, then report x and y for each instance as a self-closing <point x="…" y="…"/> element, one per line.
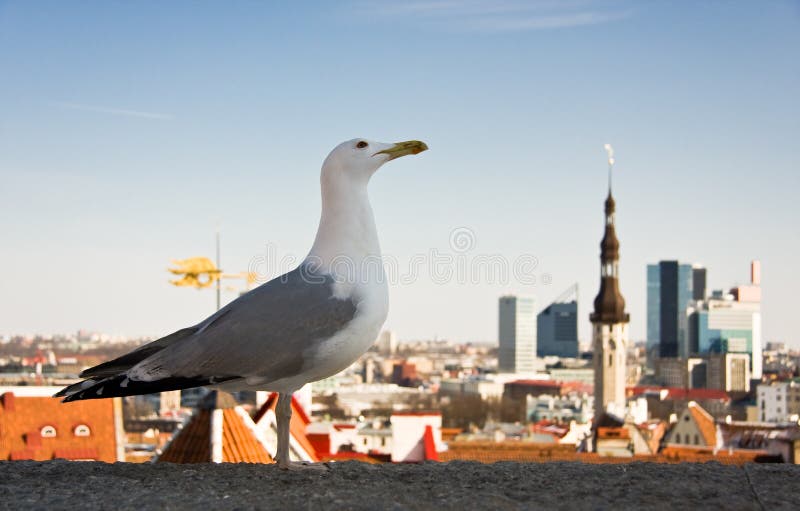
<point x="514" y="24"/>
<point x="114" y="111"/>
<point x="500" y="16"/>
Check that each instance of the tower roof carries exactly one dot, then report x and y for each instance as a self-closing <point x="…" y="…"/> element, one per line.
<point x="219" y="429"/>
<point x="609" y="305"/>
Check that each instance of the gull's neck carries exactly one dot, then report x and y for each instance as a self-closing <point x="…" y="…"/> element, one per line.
<point x="347" y="233"/>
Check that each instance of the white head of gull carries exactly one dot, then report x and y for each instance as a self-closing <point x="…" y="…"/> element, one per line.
<point x="303" y="326"/>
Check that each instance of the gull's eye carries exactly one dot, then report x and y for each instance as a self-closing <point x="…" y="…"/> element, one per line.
<point x="361" y="145"/>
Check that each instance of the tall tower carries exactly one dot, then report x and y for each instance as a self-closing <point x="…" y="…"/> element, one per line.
<point x="517" y="335"/>
<point x="609" y="319"/>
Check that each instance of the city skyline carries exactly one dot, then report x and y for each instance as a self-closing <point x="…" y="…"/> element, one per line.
<point x="114" y="163"/>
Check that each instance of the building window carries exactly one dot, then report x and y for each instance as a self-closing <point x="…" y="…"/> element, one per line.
<point x="696" y="439"/>
<point x="48" y="432"/>
<point x="82" y="430"/>
<point x="610" y="360"/>
<point x="677" y="438"/>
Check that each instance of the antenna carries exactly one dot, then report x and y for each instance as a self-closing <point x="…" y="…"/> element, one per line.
<point x="610" y="153"/>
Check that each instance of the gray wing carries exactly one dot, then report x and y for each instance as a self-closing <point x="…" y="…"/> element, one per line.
<point x="262" y="333"/>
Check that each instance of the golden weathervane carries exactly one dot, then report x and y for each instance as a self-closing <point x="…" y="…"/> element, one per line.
<point x="202" y="273"/>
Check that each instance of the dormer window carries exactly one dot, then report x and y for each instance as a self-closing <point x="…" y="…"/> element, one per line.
<point x="82" y="430"/>
<point x="48" y="432"/>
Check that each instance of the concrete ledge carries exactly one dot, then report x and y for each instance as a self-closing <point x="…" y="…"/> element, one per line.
<point x="353" y="485"/>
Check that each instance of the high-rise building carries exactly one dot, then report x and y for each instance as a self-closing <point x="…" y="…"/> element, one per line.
<point x="671" y="289"/>
<point x="609" y="323"/>
<point x="728" y="371"/>
<point x="731" y="323"/>
<point x="557" y="326"/>
<point x="517" y="335"/>
<point x="698" y="282"/>
<point x="387" y="342"/>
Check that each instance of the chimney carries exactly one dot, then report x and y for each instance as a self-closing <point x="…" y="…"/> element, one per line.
<point x="755" y="272"/>
<point x="8" y="401"/>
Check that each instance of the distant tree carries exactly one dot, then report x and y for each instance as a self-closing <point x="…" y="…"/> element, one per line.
<point x="464" y="411"/>
<point x="506" y="409"/>
<point x="423" y="401"/>
<point x="331" y="407"/>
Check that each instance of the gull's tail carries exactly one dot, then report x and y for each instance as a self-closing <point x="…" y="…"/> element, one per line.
<point x="120" y="385"/>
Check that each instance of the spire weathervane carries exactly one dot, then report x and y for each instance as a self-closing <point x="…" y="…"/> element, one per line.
<point x="610" y="152"/>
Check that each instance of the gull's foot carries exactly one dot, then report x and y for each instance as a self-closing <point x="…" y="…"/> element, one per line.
<point x="301" y="466"/>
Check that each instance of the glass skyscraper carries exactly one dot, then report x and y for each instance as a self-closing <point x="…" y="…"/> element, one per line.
<point x="671" y="288"/>
<point x="557" y="330"/>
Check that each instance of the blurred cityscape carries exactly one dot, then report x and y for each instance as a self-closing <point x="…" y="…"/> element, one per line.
<point x="703" y="386"/>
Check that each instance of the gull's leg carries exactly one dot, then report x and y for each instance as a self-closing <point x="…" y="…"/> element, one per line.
<point x="283" y="415"/>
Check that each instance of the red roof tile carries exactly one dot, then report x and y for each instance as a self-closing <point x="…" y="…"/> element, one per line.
<point x="430" y="445"/>
<point x="192" y="444"/>
<point x="239" y="443"/>
<point x="22" y="419"/>
<point x="705" y="423"/>
<point x="490" y="452"/>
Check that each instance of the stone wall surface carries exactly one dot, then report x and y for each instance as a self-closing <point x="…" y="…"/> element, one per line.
<point x="352" y="485"/>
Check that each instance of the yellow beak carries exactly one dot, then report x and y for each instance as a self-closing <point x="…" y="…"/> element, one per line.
<point x="403" y="149"/>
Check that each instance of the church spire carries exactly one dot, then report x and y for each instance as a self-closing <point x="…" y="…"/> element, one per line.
<point x="609" y="305"/>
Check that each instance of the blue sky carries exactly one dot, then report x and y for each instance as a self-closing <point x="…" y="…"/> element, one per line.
<point x="131" y="131"/>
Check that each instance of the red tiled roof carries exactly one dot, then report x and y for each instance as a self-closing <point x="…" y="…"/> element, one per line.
<point x="609" y="433"/>
<point x="321" y="442"/>
<point x="490" y="452"/>
<point x="192" y="444"/>
<point x="705" y="423"/>
<point x="22" y="454"/>
<point x="22" y="419"/>
<point x="239" y="443"/>
<point x="430" y="445"/>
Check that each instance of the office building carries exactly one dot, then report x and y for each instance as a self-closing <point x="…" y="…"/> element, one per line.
<point x="731" y="323"/>
<point x="728" y="371"/>
<point x="517" y="335"/>
<point x="671" y="289"/>
<point x="557" y="327"/>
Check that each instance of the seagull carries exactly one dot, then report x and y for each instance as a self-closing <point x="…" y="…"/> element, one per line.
<point x="300" y="327"/>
